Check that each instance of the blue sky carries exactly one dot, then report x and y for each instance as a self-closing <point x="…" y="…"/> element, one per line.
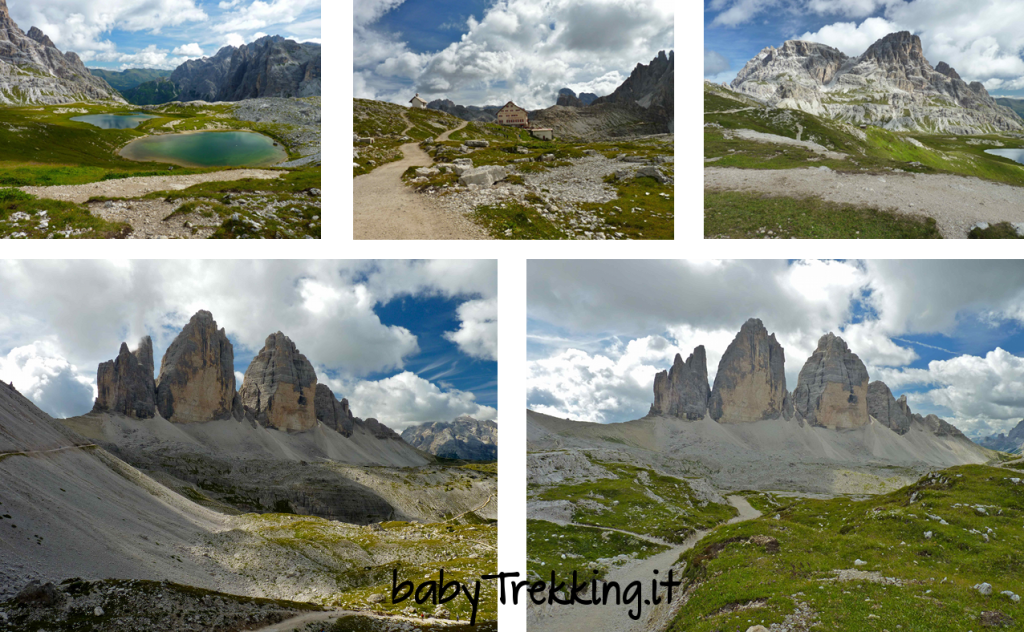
<point x="404" y="341"/>
<point x="981" y="40"/>
<point x="118" y="34"/>
<point x="949" y="334"/>
<point x="490" y="52"/>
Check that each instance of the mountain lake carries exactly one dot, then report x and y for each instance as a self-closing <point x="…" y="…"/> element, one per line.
<point x="207" y="149"/>
<point x="1016" y="155"/>
<point x="114" y="121"/>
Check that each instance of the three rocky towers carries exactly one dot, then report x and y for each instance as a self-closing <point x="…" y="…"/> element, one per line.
<point x="832" y="389"/>
<point x="197" y="385"/>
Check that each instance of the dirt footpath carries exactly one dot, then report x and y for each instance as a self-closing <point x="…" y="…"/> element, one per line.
<point x="385" y="208"/>
<point x="956" y="202"/>
<point x="137" y="187"/>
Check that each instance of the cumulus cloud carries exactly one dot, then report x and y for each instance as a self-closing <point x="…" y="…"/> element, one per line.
<point x="42" y="374"/>
<point x="735" y="12"/>
<point x="522" y="50"/>
<point x="189" y="50"/>
<point x="714" y="63"/>
<point x="406" y="399"/>
<point x="850" y="37"/>
<point x="326" y="307"/>
<point x="83" y="26"/>
<point x="651" y="310"/>
<point x="849" y="8"/>
<point x="477" y="335"/>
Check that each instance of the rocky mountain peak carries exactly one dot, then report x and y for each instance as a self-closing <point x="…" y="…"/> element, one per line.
<point x="40" y="37"/>
<point x="463" y="438"/>
<point x="945" y="69"/>
<point x="332" y="413"/>
<point x="683" y="390"/>
<point x="279" y="388"/>
<point x="125" y="384"/>
<point x="651" y="86"/>
<point x="751" y="381"/>
<point x="900" y="49"/>
<point x="832" y="387"/>
<point x="886" y="409"/>
<point x="197" y="374"/>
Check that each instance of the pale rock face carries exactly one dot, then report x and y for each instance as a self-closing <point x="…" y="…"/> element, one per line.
<point x="125" y="385"/>
<point x="464" y="438"/>
<point x="279" y="388"/>
<point x="751" y="381"/>
<point x="683" y="390"/>
<point x="891" y="85"/>
<point x="332" y="413"/>
<point x="272" y="66"/>
<point x="197" y="376"/>
<point x="832" y="388"/>
<point x="32" y="70"/>
<point x="883" y="407"/>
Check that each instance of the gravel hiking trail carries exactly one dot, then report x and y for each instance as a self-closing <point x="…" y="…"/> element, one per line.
<point x="387" y="209"/>
<point x="299" y="623"/>
<point x="616" y="618"/>
<point x="137" y="187"/>
<point x="955" y="202"/>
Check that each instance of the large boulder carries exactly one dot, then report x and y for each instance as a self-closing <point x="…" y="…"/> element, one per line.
<point x="197" y="374"/>
<point x="751" y="381"/>
<point x="683" y="390"/>
<point x="483" y="176"/>
<point x="332" y="413"/>
<point x="125" y="385"/>
<point x="883" y="407"/>
<point x="832" y="389"/>
<point x="279" y="388"/>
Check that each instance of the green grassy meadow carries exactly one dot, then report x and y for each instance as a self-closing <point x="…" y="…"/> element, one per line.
<point x="872" y="150"/>
<point x="921" y="551"/>
<point x="44" y="147"/>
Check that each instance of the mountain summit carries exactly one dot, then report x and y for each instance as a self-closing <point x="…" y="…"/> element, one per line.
<point x="891" y="85"/>
<point x="32" y="70"/>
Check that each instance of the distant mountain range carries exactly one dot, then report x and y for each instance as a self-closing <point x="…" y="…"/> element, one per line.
<point x="122" y="80"/>
<point x="569" y="98"/>
<point x="272" y="66"/>
<point x="1017" y="105"/>
<point x="464" y="438"/>
<point x="1005" y="442"/>
<point x="485" y="114"/>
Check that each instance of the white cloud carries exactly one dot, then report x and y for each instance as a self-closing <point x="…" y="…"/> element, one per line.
<point x="612" y="386"/>
<point x="872" y="305"/>
<point x="42" y="374"/>
<point x="326" y="307"/>
<point x="714" y="63"/>
<point x="234" y="39"/>
<point x="81" y="25"/>
<point x="259" y="14"/>
<point x="739" y="11"/>
<point x="849" y="8"/>
<point x="852" y="38"/>
<point x="406" y="399"/>
<point x="477" y="335"/>
<point x="522" y="50"/>
<point x="189" y="50"/>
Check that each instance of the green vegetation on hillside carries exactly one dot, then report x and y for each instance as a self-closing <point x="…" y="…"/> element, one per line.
<point x="741" y="215"/>
<point x="151" y="93"/>
<point x="122" y="80"/>
<point x="1017" y="105"/>
<point x="921" y="551"/>
<point x="868" y="151"/>
<point x="386" y="124"/>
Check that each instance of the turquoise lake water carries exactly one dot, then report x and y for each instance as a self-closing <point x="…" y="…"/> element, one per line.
<point x="113" y="121"/>
<point x="1016" y="155"/>
<point x="206" y="149"/>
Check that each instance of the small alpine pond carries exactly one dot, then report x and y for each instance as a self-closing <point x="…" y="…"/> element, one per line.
<point x="207" y="149"/>
<point x="114" y="121"/>
<point x="1014" y="155"/>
